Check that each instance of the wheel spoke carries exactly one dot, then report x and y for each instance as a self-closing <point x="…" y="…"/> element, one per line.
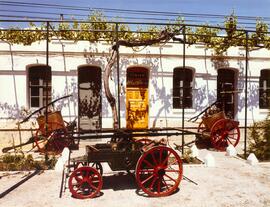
<point x="219" y="138"/>
<point x="175" y="161"/>
<point x="229" y="141"/>
<point x="164" y="182"/>
<point x="233" y="132"/>
<point x="91" y="185"/>
<point x="170" y="178"/>
<point x="159" y="186"/>
<point x="176" y="171"/>
<point x="146" y="171"/>
<point x="78" y="183"/>
<point x="148" y="163"/>
<point x="166" y="159"/>
<point x="79" y="180"/>
<point x="153" y="182"/>
<point x="147" y="179"/>
<point x="77" y="190"/>
<point x="160" y="155"/>
<point x="154" y="159"/>
<point x="232" y="137"/>
<point x="87" y="173"/>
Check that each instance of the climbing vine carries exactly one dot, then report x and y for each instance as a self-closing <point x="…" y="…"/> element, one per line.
<point x="98" y="28"/>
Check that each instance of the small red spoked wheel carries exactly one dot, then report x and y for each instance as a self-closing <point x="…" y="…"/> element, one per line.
<point x="223" y="133"/>
<point x="52" y="141"/>
<point x="85" y="182"/>
<point x="96" y="165"/>
<point x="159" y="171"/>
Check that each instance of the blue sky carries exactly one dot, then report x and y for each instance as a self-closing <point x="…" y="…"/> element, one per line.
<point x="254" y="8"/>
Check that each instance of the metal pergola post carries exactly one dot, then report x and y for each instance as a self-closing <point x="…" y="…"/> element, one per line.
<point x="118" y="76"/>
<point x="246" y="91"/>
<point x="46" y="75"/>
<point x="183" y="98"/>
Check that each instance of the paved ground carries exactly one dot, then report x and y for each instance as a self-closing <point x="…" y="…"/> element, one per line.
<point x="232" y="182"/>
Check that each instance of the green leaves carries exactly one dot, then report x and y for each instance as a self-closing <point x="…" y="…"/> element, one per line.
<point x="259" y="139"/>
<point x="99" y="28"/>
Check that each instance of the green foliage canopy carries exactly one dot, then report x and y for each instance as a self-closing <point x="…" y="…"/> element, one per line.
<point x="97" y="28"/>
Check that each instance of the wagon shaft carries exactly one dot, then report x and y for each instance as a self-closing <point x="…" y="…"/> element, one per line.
<point x="30" y="141"/>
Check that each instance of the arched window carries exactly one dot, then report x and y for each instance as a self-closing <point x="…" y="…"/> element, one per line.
<point x="182" y="87"/>
<point x="39" y="84"/>
<point x="227" y="90"/>
<point x="264" y="91"/>
<point x="89" y="91"/>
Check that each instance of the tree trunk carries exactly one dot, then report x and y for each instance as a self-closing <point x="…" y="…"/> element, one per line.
<point x="108" y="93"/>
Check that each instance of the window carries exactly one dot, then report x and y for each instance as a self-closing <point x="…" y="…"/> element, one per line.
<point x="39" y="85"/>
<point x="227" y="90"/>
<point x="264" y="90"/>
<point x="182" y="87"/>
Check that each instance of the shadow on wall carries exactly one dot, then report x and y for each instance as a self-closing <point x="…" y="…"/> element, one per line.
<point x="161" y="93"/>
<point x="201" y="95"/>
<point x="253" y="88"/>
<point x="11" y="111"/>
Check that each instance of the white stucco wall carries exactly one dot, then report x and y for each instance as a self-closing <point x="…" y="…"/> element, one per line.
<point x="66" y="57"/>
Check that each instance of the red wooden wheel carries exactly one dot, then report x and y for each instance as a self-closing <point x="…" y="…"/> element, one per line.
<point x="159" y="171"/>
<point x="223" y="133"/>
<point x="85" y="182"/>
<point x="52" y="142"/>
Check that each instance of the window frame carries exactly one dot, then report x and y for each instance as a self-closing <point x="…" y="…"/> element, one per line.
<point x="228" y="86"/>
<point x="264" y="89"/>
<point x="182" y="93"/>
<point x="40" y="73"/>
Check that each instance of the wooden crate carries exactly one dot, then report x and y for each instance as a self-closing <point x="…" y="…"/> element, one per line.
<point x="55" y="121"/>
<point x="209" y="121"/>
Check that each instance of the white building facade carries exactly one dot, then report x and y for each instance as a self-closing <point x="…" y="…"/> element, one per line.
<point x="167" y="90"/>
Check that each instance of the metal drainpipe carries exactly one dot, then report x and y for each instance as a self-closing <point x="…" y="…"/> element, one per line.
<point x="183" y="108"/>
<point x="246" y="91"/>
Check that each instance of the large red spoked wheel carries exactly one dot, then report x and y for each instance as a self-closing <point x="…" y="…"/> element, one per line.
<point x="52" y="142"/>
<point x="159" y="171"/>
<point x="223" y="133"/>
<point x="85" y="182"/>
